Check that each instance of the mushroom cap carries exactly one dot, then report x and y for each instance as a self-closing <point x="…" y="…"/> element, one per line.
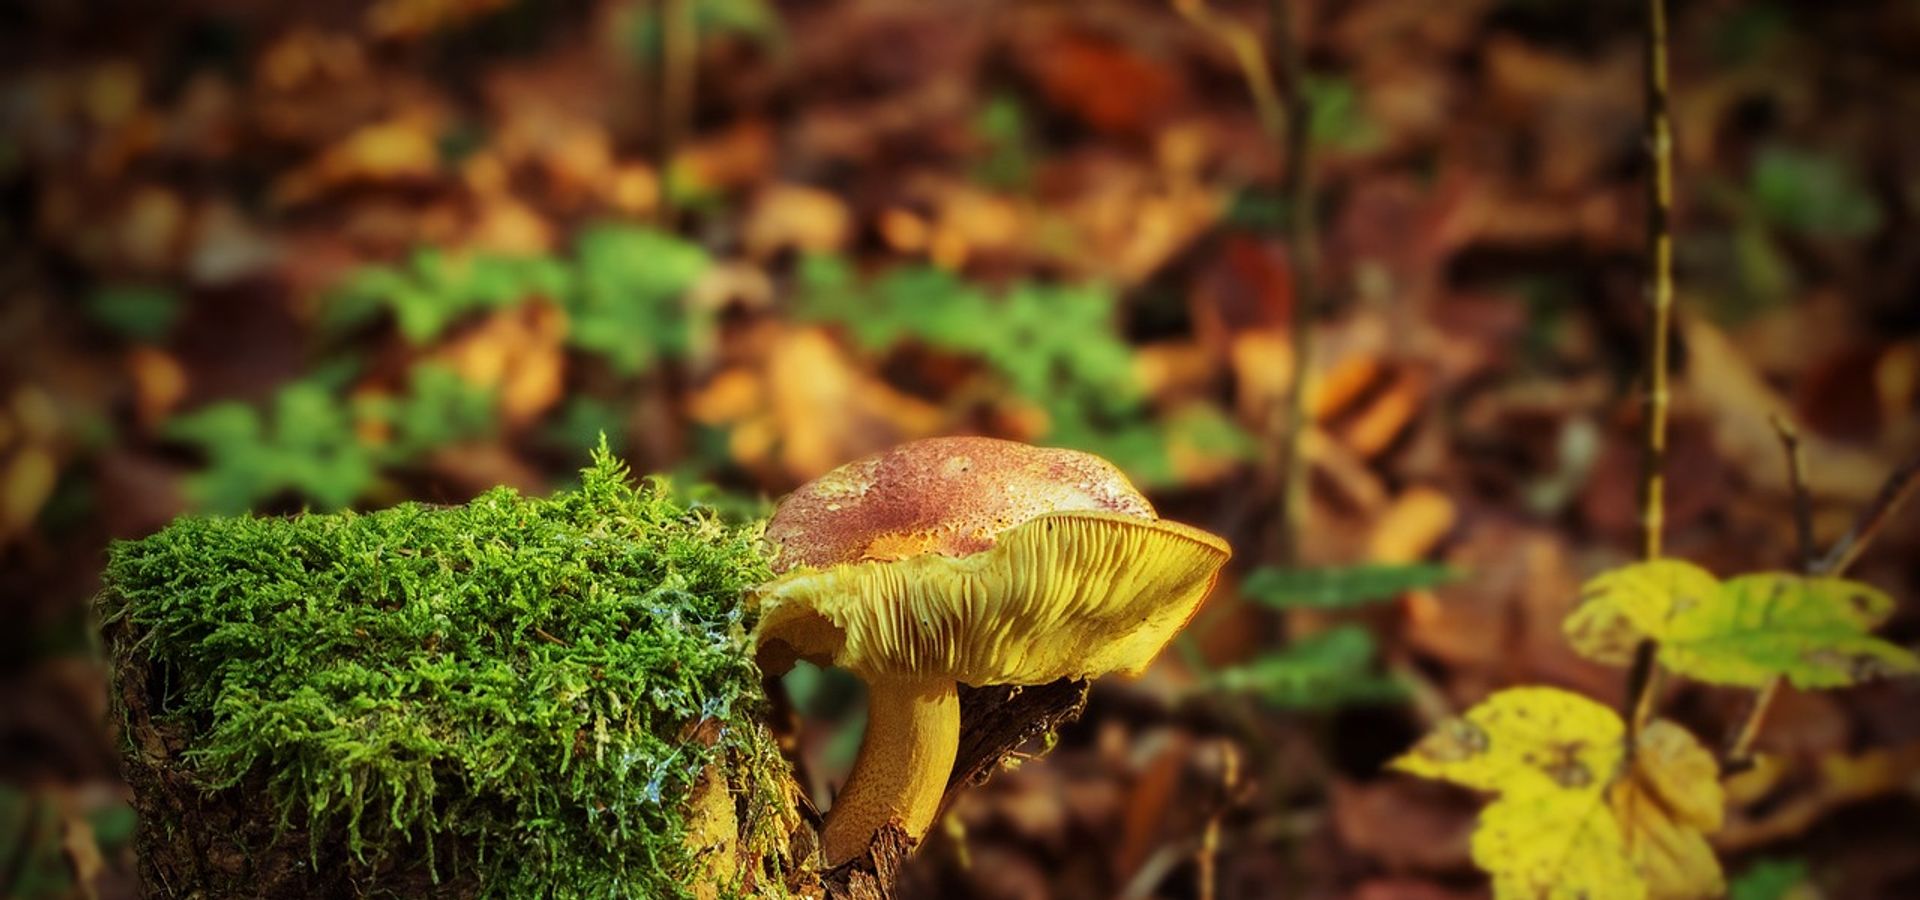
<point x="946" y="495"/>
<point x="981" y="560"/>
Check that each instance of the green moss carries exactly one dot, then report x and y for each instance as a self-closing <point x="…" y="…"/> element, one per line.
<point x="522" y="689"/>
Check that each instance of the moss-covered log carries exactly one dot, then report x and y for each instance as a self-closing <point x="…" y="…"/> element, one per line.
<point x="515" y="697"/>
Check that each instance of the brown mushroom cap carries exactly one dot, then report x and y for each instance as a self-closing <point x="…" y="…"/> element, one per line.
<point x="985" y="561"/>
<point x="950" y="496"/>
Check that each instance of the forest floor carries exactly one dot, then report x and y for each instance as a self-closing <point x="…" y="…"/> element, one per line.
<point x="297" y="255"/>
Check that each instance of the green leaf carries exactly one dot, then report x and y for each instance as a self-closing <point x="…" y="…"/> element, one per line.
<point x="137" y="312"/>
<point x="1002" y="126"/>
<point x="1326" y="671"/>
<point x="1341" y="587"/>
<point x="1769" y="879"/>
<point x="1337" y="117"/>
<point x="1812" y="193"/>
<point x="1812" y="631"/>
<point x="436" y="289"/>
<point x="1058" y="347"/>
<point x="629" y="308"/>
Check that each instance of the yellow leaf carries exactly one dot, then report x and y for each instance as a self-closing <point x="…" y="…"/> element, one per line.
<point x="1622" y="606"/>
<point x="1681" y="774"/>
<point x="1573" y="819"/>
<point x="1553" y="844"/>
<point x="1521" y="736"/>
<point x="1671" y="859"/>
<point x="1812" y="631"/>
<point x="1667" y="805"/>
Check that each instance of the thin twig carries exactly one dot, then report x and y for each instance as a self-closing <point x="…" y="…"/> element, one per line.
<point x="1276" y="78"/>
<point x="1644" y="679"/>
<point x="1740" y="755"/>
<point x="673" y="98"/>
<point x="1248" y="54"/>
<point x="1206" y="859"/>
<point x="1659" y="137"/>
<point x="1297" y="194"/>
<point x="1797" y="483"/>
<point x="1894" y="492"/>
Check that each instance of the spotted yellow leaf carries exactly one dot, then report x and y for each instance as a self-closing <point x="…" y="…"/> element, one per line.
<point x="1666" y="806"/>
<point x="1554" y="845"/>
<point x="1520" y="736"/>
<point x="1623" y="606"/>
<point x="1812" y="631"/>
<point x="1574" y="817"/>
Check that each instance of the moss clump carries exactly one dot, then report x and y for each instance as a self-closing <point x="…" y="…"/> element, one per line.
<point x="519" y="692"/>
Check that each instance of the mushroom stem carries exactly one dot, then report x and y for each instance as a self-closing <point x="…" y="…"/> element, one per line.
<point x="913" y="732"/>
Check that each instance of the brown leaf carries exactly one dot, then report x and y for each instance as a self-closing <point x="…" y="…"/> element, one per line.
<point x="797" y="217"/>
<point x="1110" y="86"/>
<point x="1412" y="527"/>
<point x="1406" y="825"/>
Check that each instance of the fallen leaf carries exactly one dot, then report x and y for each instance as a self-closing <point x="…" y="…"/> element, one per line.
<point x="1112" y="87"/>
<point x="1342" y="384"/>
<point x="1574" y="816"/>
<point x="1410" y="528"/>
<point x="1373" y="429"/>
<point x="796" y="217"/>
<point x="159" y="383"/>
<point x="83" y="854"/>
<point x="26" y="481"/>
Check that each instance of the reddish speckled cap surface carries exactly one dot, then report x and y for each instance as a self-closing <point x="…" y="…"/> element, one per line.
<point x="950" y="495"/>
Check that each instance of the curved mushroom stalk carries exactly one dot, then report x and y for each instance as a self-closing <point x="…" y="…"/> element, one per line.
<point x="913" y="732"/>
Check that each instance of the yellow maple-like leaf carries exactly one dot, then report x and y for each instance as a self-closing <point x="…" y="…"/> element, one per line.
<point x="1812" y="631"/>
<point x="1669" y="802"/>
<point x="1552" y="845"/>
<point x="1681" y="774"/>
<point x="1574" y="818"/>
<point x="1623" y="606"/>
<point x="1521" y="736"/>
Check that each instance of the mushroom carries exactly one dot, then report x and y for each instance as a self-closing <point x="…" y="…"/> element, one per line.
<point x="965" y="560"/>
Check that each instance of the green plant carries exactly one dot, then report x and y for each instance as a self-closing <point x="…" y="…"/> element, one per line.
<point x="1007" y="160"/>
<point x="434" y="289"/>
<point x="622" y="292"/>
<point x="1770" y="879"/>
<point x="625" y="303"/>
<point x="1340" y="587"/>
<point x="1336" y="667"/>
<point x="136" y="312"/>
<point x="308" y="442"/>
<point x="1329" y="670"/>
<point x="1812" y="194"/>
<point x="506" y="686"/>
<point x="1057" y="347"/>
<point x="1337" y="119"/>
<point x="623" y="296"/>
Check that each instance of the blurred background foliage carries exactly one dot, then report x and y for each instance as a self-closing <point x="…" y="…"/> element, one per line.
<point x="274" y="257"/>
